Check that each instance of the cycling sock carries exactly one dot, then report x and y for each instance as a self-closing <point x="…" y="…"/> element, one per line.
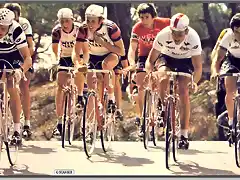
<point x="80" y="98"/>
<point x="60" y="120"/>
<point x="184" y="132"/>
<point x="27" y="123"/>
<point x="111" y="97"/>
<point x="17" y="127"/>
<point x="230" y="122"/>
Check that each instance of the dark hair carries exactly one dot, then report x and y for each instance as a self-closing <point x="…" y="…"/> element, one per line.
<point x="235" y="21"/>
<point x="13" y="7"/>
<point x="147" y="8"/>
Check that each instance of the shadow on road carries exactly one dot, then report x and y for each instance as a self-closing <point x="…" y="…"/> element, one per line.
<point x="121" y="158"/>
<point x="36" y="149"/>
<point x="74" y="148"/>
<point x="192" y="168"/>
<point x="18" y="170"/>
<point x="195" y="151"/>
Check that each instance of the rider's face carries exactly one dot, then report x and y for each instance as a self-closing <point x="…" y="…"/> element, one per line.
<point x="146" y="19"/>
<point x="179" y="36"/>
<point x="3" y="30"/>
<point x="66" y="24"/>
<point x="93" y="23"/>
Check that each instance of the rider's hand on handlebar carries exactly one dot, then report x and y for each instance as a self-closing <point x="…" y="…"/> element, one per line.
<point x="193" y="87"/>
<point x="18" y="75"/>
<point x="214" y="76"/>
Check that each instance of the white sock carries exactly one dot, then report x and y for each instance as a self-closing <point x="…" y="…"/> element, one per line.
<point x="27" y="123"/>
<point x="230" y="122"/>
<point x="184" y="132"/>
<point x="163" y="108"/>
<point x="60" y="120"/>
<point x="17" y="127"/>
<point x="111" y="97"/>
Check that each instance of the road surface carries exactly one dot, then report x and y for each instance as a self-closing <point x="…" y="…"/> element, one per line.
<point x="126" y="158"/>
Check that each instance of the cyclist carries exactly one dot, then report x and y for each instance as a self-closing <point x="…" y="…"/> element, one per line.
<point x="64" y="36"/>
<point x="143" y="35"/>
<point x="178" y="48"/>
<point x="14" y="48"/>
<point x="24" y="85"/>
<point x="123" y="63"/>
<point x="105" y="46"/>
<point x="220" y="107"/>
<point x="228" y="54"/>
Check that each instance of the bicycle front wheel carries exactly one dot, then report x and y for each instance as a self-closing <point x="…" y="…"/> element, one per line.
<point x="146" y="118"/>
<point x="90" y="124"/>
<point x="236" y="126"/>
<point x="168" y="134"/>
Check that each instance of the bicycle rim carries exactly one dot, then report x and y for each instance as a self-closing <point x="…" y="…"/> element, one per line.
<point x="89" y="125"/>
<point x="146" y="117"/>
<point x="176" y="130"/>
<point x="236" y="132"/>
<point x="168" y="135"/>
<point x="155" y="128"/>
<point x="64" y="121"/>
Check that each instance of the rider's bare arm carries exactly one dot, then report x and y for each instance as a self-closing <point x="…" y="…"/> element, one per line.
<point x="27" y="58"/>
<point x="132" y="51"/>
<point x="221" y="52"/>
<point x="215" y="67"/>
<point x="30" y="44"/>
<point x="152" y="57"/>
<point x="81" y="47"/>
<point x="197" y="64"/>
<point x="55" y="41"/>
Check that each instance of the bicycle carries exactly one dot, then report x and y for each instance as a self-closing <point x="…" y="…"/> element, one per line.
<point x="6" y="123"/>
<point x="71" y="114"/>
<point x="172" y="116"/>
<point x="151" y="110"/>
<point x="234" y="133"/>
<point x="97" y="118"/>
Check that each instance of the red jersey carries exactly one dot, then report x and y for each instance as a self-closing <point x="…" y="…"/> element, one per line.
<point x="146" y="36"/>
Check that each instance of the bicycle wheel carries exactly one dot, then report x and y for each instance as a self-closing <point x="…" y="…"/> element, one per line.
<point x="175" y="129"/>
<point x="90" y="124"/>
<point x="7" y="128"/>
<point x="156" y="126"/>
<point x="74" y="116"/>
<point x="168" y="135"/>
<point x="146" y="118"/>
<point x="236" y="126"/>
<point x="107" y="133"/>
<point x="64" y="121"/>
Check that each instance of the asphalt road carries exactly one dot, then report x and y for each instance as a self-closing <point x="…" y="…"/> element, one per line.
<point x="125" y="158"/>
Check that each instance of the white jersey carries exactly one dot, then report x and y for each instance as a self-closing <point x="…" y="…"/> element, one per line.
<point x="108" y="30"/>
<point x="26" y="26"/>
<point x="191" y="45"/>
<point x="13" y="40"/>
<point x="66" y="40"/>
<point x="230" y="43"/>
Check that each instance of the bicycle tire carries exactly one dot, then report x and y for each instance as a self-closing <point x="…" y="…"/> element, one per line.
<point x="12" y="156"/>
<point x="174" y="129"/>
<point x="72" y="120"/>
<point x="108" y="128"/>
<point x="64" y="121"/>
<point x="168" y="132"/>
<point x="236" y="132"/>
<point x="155" y="128"/>
<point x="91" y="96"/>
<point x="146" y="112"/>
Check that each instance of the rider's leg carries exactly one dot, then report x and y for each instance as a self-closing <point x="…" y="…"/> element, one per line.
<point x="26" y="100"/>
<point x="109" y="62"/>
<point x="79" y="81"/>
<point x="230" y="85"/>
<point x="15" y="106"/>
<point x="184" y="105"/>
